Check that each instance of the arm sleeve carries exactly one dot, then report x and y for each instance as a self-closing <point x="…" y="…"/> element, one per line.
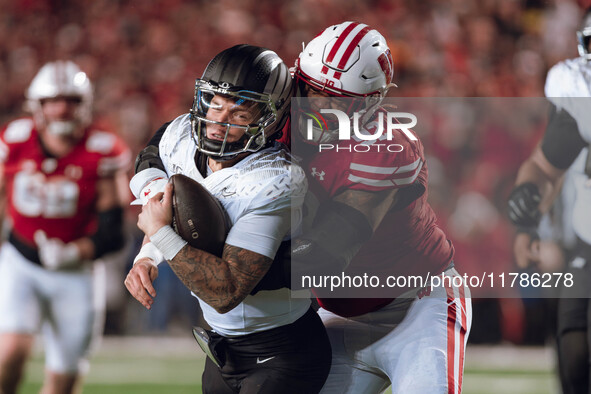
<point x="155" y="140"/>
<point x="562" y="141"/>
<point x="149" y="156"/>
<point x="260" y="233"/>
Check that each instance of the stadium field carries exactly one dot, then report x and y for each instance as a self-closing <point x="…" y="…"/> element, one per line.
<point x="165" y="365"/>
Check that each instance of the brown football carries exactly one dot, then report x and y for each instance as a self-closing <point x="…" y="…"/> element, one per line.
<point x="197" y="216"/>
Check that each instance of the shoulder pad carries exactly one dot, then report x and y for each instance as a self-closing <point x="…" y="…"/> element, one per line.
<point x="569" y="78"/>
<point x="568" y="86"/>
<point x="19" y="130"/>
<point x="269" y="179"/>
<point x="174" y="134"/>
<point x="177" y="148"/>
<point x="115" y="155"/>
<point x="101" y="142"/>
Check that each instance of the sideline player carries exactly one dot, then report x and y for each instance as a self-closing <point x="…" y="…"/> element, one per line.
<point x="269" y="342"/>
<point x="60" y="180"/>
<point x="565" y="146"/>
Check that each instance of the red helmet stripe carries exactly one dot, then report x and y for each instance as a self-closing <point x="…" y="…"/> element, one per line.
<point x="340" y="40"/>
<point x="324" y="70"/>
<point x="352" y="45"/>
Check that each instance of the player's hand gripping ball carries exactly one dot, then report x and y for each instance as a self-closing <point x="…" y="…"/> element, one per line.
<point x="197" y="216"/>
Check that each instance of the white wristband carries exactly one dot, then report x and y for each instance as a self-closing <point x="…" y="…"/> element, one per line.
<point x="168" y="242"/>
<point x="150" y="251"/>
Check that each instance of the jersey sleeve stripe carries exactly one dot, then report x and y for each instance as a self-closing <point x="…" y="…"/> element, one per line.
<point x="413" y="173"/>
<point x="412" y="166"/>
<point x="113" y="164"/>
<point x="373" y="169"/>
<point x="411" y="179"/>
<point x="386" y="170"/>
<point x="398" y="180"/>
<point x="370" y="182"/>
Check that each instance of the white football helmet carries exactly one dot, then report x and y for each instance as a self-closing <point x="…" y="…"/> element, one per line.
<point x="346" y="60"/>
<point x="61" y="79"/>
<point x="584" y="35"/>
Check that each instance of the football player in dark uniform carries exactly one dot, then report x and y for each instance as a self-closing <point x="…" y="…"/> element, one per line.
<point x="565" y="146"/>
<point x="267" y="342"/>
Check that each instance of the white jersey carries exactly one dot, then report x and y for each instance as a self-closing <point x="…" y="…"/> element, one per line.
<point x="262" y="194"/>
<point x="568" y="86"/>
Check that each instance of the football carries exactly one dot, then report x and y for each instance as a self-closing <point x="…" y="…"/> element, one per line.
<point x="197" y="216"/>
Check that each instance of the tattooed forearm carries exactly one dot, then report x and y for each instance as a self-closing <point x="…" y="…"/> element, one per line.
<point x="220" y="282"/>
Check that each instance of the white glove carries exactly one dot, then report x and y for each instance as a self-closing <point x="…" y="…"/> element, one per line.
<point x="146" y="184"/>
<point x="54" y="253"/>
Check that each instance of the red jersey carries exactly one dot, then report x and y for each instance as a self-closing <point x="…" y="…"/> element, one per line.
<point x="408" y="240"/>
<point x="57" y="195"/>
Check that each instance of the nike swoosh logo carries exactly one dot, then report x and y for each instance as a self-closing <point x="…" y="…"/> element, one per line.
<point x="259" y="361"/>
<point x="226" y="193"/>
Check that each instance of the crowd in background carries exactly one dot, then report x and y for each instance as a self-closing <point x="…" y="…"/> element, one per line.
<point x="143" y="58"/>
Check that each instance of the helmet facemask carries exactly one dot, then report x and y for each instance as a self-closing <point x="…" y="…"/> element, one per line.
<point x="72" y="126"/>
<point x="583" y="38"/>
<point x="228" y="111"/>
<point x="317" y="96"/>
<point x="325" y="129"/>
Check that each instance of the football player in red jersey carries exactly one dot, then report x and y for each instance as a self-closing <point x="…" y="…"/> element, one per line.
<point x="373" y="218"/>
<point x="61" y="182"/>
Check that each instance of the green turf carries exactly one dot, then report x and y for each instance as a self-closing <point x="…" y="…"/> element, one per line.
<point x="160" y="367"/>
<point x="143" y="369"/>
<point x="129" y="388"/>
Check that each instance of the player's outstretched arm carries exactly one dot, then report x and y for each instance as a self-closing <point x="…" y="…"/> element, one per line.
<point x="109" y="235"/>
<point x="373" y="205"/>
<point x="537" y="170"/>
<point x="339" y="230"/>
<point x="539" y="177"/>
<point x="57" y="255"/>
<point x="539" y="181"/>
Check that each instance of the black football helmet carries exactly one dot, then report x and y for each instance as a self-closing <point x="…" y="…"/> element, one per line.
<point x="584" y="35"/>
<point x="250" y="76"/>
